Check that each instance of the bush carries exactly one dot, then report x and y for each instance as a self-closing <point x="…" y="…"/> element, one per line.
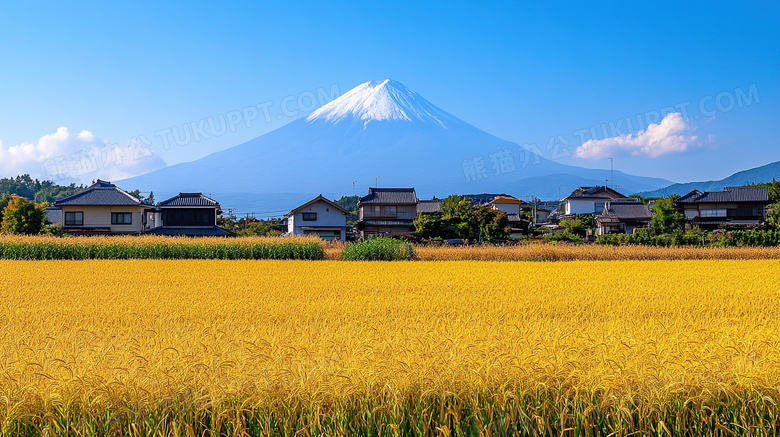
<point x="379" y="249"/>
<point x="753" y="238"/>
<point x="646" y="237"/>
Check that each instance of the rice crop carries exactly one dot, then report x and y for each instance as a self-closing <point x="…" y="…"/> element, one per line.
<point x="192" y="348"/>
<point x="573" y="252"/>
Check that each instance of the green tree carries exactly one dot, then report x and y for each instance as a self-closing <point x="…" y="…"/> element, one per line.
<point x="573" y="227"/>
<point x="773" y="188"/>
<point x="259" y="228"/>
<point x="666" y="219"/>
<point x="588" y="221"/>
<point x="773" y="216"/>
<point x="456" y="207"/>
<point x="350" y="204"/>
<point x="490" y="224"/>
<point x="4" y="200"/>
<point x="23" y="217"/>
<point x="460" y="219"/>
<point x="430" y="225"/>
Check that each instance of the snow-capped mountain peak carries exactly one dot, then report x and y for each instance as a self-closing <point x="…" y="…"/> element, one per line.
<point x="376" y="101"/>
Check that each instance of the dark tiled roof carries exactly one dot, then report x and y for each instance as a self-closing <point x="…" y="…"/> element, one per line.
<point x="101" y="193"/>
<point x="730" y="194"/>
<point x="390" y="196"/>
<point x="429" y="206"/>
<point x="599" y="192"/>
<point x="190" y="199"/>
<point x="319" y="198"/>
<point x="54" y="215"/>
<point x="210" y="231"/>
<point x="627" y="209"/>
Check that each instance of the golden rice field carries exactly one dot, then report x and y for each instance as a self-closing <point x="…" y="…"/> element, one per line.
<point x="571" y="252"/>
<point x="193" y="348"/>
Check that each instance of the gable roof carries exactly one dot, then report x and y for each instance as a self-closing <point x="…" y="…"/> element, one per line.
<point x="507" y="200"/>
<point x="429" y="206"/>
<point x="54" y="215"/>
<point x="729" y="194"/>
<point x="319" y="198"/>
<point x="101" y="193"/>
<point x="390" y="196"/>
<point x="627" y="209"/>
<point x="190" y="199"/>
<point x="597" y="192"/>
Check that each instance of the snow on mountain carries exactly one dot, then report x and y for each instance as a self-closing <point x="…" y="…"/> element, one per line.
<point x="377" y="101"/>
<point x="378" y="129"/>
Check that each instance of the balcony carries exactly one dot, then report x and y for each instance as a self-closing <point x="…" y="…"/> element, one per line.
<point x="366" y="215"/>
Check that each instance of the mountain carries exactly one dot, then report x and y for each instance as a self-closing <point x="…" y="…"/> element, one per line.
<point x="377" y="129"/>
<point x="758" y="175"/>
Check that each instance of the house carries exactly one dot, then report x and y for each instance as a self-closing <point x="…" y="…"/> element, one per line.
<point x="589" y="200"/>
<point x="542" y="214"/>
<point x="101" y="209"/>
<point x="623" y="216"/>
<point x="734" y="207"/>
<point x="186" y="214"/>
<point x="320" y="217"/>
<point x="429" y="206"/>
<point x="512" y="206"/>
<point x="387" y="211"/>
<point x="53" y="215"/>
<point x="508" y="204"/>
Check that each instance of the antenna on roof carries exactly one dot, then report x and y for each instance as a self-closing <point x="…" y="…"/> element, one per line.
<point x="377" y="182"/>
<point x="612" y="171"/>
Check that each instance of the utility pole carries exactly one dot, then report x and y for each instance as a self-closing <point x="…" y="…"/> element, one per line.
<point x="353" y="187"/>
<point x="376" y="185"/>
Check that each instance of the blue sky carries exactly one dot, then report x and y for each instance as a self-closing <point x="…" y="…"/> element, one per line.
<point x="521" y="71"/>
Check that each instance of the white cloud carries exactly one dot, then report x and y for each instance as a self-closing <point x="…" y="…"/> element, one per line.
<point x="669" y="136"/>
<point x="83" y="157"/>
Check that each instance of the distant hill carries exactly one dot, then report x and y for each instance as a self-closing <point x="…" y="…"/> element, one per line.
<point x="35" y="190"/>
<point x="758" y="175"/>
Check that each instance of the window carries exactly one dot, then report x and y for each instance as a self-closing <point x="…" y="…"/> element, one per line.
<point x="309" y="216"/>
<point x="388" y="211"/>
<point x="121" y="218"/>
<point x="713" y="212"/>
<point x="598" y="207"/>
<point x="74" y="219"/>
<point x="188" y="216"/>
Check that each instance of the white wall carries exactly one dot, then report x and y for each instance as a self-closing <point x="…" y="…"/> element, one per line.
<point x="508" y="208"/>
<point x="327" y="216"/>
<point x="583" y="206"/>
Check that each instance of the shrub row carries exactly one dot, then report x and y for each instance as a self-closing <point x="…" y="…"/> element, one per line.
<point x="148" y="247"/>
<point x="379" y="249"/>
<point x="646" y="237"/>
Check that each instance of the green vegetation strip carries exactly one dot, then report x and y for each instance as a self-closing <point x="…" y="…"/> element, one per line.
<point x="427" y="413"/>
<point x="173" y="248"/>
